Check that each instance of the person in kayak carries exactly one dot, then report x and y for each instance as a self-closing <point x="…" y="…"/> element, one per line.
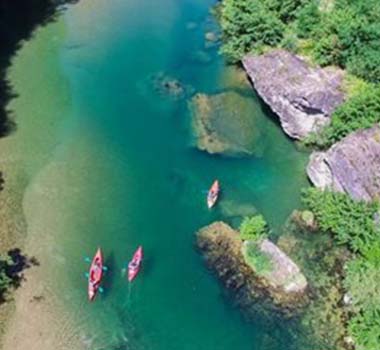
<point x="133" y="265"/>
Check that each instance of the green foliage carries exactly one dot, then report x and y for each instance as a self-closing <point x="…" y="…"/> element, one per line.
<point x="256" y="259"/>
<point x="365" y="329"/>
<point x="361" y="111"/>
<point x="351" y="222"/>
<point x="308" y="20"/>
<point x="363" y="284"/>
<point x="248" y="26"/>
<point x="348" y="36"/>
<point x="5" y="280"/>
<point x="254" y="228"/>
<point x="285" y="10"/>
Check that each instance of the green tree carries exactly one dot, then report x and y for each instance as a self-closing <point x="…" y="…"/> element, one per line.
<point x="308" y="20"/>
<point x="351" y="222"/>
<point x="247" y="26"/>
<point x="254" y="228"/>
<point x="5" y="280"/>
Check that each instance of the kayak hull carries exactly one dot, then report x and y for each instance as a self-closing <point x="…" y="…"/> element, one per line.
<point x="213" y="194"/>
<point x="135" y="264"/>
<point x="95" y="275"/>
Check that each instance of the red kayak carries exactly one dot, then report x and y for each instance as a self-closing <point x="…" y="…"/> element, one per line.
<point x="95" y="275"/>
<point x="213" y="194"/>
<point x="135" y="264"/>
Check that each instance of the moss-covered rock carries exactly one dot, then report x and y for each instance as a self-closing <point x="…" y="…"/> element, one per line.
<point x="262" y="277"/>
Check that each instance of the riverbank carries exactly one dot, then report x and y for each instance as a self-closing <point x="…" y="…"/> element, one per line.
<point x="35" y="313"/>
<point x="306" y="35"/>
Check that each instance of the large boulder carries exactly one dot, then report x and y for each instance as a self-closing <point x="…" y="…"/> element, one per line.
<point x="303" y="96"/>
<point x="351" y="165"/>
<point x="262" y="277"/>
<point x="225" y="123"/>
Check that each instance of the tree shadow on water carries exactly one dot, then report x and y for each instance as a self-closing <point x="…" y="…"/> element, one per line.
<point x="18" y="20"/>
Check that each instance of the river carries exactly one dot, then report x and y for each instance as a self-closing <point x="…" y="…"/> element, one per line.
<point x="109" y="162"/>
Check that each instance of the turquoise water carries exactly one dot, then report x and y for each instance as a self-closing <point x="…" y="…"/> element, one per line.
<point x="125" y="173"/>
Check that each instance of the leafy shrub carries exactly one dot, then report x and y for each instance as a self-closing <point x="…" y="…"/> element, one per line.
<point x="361" y="111"/>
<point x="254" y="228"/>
<point x="363" y="283"/>
<point x="365" y="329"/>
<point x="247" y="25"/>
<point x="348" y="36"/>
<point x="351" y="222"/>
<point x="308" y="19"/>
<point x="286" y="10"/>
<point x="366" y="64"/>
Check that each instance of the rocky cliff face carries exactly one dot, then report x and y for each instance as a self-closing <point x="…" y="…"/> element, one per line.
<point x="279" y="288"/>
<point x="351" y="165"/>
<point x="302" y="96"/>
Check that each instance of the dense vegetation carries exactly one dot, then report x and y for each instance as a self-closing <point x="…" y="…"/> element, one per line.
<point x="345" y="33"/>
<point x="353" y="223"/>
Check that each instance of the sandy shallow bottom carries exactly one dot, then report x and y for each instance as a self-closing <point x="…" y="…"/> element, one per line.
<point x="34" y="317"/>
<point x="40" y="320"/>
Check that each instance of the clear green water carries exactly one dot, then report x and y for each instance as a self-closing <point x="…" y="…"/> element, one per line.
<point x="111" y="164"/>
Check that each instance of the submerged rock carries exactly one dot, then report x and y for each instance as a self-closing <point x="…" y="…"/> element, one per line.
<point x="169" y="86"/>
<point x="303" y="97"/>
<point x="211" y="36"/>
<point x="351" y="165"/>
<point x="224" y="124"/>
<point x="285" y="274"/>
<point x="233" y="209"/>
<point x="261" y="276"/>
<point x="201" y="57"/>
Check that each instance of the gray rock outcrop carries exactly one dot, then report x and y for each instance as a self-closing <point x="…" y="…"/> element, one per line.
<point x="303" y="97"/>
<point x="351" y="165"/>
<point x="275" y="284"/>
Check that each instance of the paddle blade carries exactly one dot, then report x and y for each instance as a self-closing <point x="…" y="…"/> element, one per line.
<point x="105" y="268"/>
<point x="87" y="259"/>
<point x="86" y="274"/>
<point x="101" y="290"/>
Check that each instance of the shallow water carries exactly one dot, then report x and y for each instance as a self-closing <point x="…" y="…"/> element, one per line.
<point x="110" y="163"/>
